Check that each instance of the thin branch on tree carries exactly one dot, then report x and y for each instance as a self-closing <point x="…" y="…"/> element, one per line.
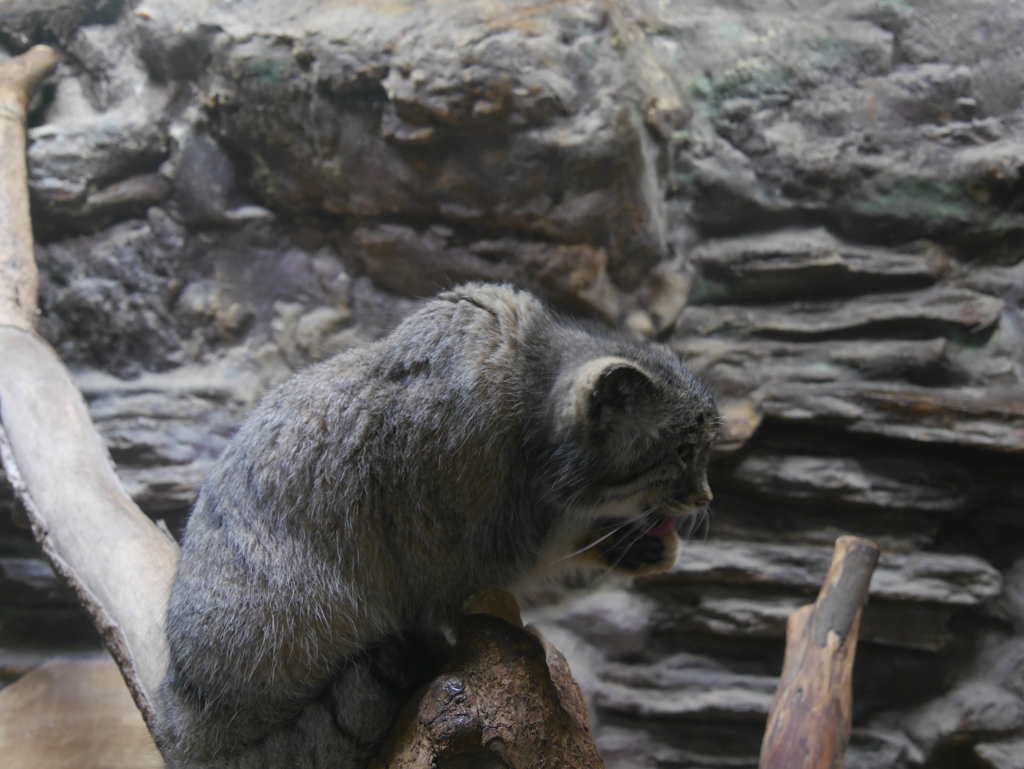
<point x="810" y="717"/>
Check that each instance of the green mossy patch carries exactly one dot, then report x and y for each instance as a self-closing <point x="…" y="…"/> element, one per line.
<point x="935" y="203"/>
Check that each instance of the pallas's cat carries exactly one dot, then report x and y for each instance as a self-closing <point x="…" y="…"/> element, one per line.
<point x="486" y="442"/>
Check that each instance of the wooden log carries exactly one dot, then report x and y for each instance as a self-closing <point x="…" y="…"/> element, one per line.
<point x="114" y="557"/>
<point x="811" y="713"/>
<point x="504" y="699"/>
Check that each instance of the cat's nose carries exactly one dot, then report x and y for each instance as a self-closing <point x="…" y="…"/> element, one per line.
<point x="701" y="500"/>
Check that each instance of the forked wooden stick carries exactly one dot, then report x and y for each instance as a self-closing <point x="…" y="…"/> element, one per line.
<point x="809" y="721"/>
<point x="116" y="559"/>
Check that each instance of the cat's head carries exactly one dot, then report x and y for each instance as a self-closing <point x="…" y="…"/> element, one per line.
<point x="634" y="432"/>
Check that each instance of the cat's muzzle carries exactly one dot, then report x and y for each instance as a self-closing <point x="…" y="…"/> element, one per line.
<point x="642" y="546"/>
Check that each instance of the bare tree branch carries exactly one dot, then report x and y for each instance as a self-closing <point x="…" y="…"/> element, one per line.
<point x="19" y="282"/>
<point x="114" y="557"/>
<point x="810" y="717"/>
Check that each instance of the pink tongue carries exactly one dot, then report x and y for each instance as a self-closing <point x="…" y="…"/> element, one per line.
<point x="660" y="529"/>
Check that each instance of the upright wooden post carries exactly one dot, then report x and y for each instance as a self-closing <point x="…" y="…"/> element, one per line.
<point x="809" y="721"/>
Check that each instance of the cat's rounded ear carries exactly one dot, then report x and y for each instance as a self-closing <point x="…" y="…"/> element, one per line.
<point x="603" y="392"/>
<point x="619" y="388"/>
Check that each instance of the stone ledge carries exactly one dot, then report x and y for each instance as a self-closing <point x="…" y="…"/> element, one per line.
<point x="952" y="580"/>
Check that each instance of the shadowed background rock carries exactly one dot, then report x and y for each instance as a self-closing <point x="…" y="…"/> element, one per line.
<point x="820" y="205"/>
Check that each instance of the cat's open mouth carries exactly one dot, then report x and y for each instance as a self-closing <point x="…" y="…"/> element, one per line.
<point x="656" y="524"/>
<point x="634" y="545"/>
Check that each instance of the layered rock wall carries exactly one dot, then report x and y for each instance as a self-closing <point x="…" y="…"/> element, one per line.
<point x="820" y="205"/>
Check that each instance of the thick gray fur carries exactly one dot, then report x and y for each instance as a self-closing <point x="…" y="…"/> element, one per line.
<point x="367" y="497"/>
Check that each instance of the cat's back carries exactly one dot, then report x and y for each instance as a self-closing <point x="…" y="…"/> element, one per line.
<point x="472" y="350"/>
<point x="367" y="428"/>
<point x="474" y="340"/>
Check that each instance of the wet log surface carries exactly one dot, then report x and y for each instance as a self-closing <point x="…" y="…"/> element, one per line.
<point x="818" y="206"/>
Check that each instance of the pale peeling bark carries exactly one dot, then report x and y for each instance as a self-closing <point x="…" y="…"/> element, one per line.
<point x="114" y="557"/>
<point x="19" y="282"/>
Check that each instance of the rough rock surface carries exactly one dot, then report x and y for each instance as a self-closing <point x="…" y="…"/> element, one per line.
<point x="821" y="206"/>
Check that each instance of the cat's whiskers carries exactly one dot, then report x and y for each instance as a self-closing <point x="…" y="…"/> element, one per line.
<point x="609" y="574"/>
<point x="636" y="538"/>
<point x="613" y="530"/>
<point x="637" y="523"/>
<point x="696" y="518"/>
